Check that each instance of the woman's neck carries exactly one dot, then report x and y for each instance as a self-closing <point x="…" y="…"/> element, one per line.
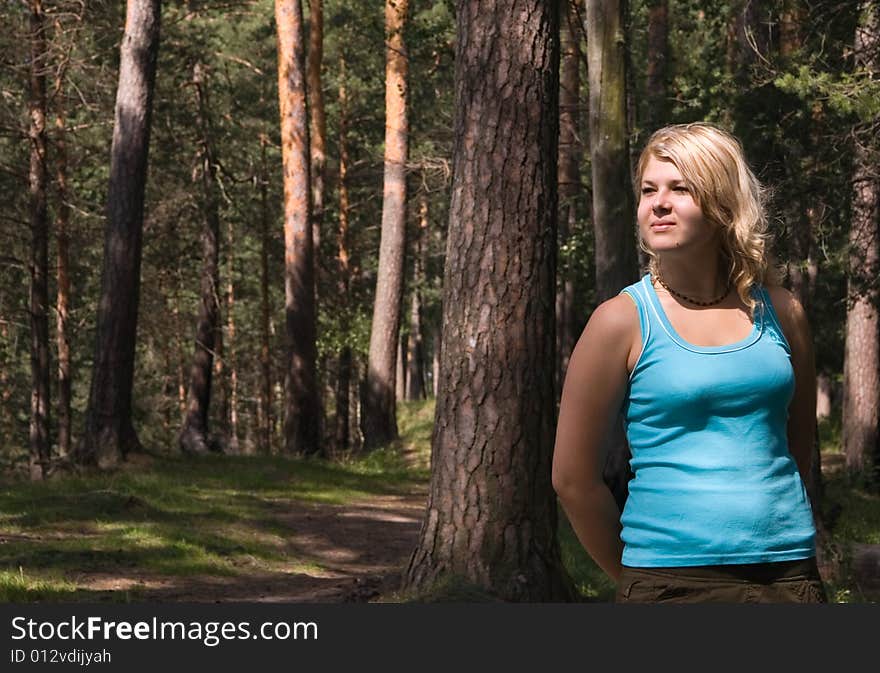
<point x="698" y="278"/>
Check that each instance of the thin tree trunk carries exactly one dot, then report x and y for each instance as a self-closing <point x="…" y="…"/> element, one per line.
<point x="267" y="414"/>
<point x="317" y="122"/>
<point x="437" y="343"/>
<point x="415" y="348"/>
<point x="40" y="443"/>
<point x="658" y="51"/>
<point x="62" y="229"/>
<point x="613" y="206"/>
<point x="109" y="432"/>
<point x="570" y="156"/>
<point x="400" y="374"/>
<point x="231" y="359"/>
<point x="380" y="414"/>
<point x="491" y="518"/>
<point x="861" y="370"/>
<point x="194" y="437"/>
<point x="344" y="370"/>
<point x="302" y="411"/>
<point x="178" y="339"/>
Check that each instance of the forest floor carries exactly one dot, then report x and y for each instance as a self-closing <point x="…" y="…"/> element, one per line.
<point x="272" y="529"/>
<point x="353" y="552"/>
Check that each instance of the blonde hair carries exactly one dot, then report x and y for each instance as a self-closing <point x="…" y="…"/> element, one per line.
<point x="713" y="165"/>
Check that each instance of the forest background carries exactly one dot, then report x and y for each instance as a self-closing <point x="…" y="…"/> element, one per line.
<point x="221" y="357"/>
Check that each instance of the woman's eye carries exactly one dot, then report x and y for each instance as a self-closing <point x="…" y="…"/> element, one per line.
<point x="681" y="188"/>
<point x="647" y="190"/>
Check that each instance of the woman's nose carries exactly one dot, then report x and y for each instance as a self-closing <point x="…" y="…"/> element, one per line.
<point x="661" y="200"/>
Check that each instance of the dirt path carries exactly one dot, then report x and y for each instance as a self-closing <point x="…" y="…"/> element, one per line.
<point x="361" y="549"/>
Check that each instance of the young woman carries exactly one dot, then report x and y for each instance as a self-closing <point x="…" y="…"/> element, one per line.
<point x="711" y="365"/>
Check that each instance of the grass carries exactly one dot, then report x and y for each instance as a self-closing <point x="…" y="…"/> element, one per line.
<point x="179" y="516"/>
<point x="216" y="516"/>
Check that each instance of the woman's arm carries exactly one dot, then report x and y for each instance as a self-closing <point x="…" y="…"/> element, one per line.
<point x="802" y="410"/>
<point x="595" y="385"/>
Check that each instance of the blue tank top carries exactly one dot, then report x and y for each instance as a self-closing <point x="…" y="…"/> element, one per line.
<point x="714" y="480"/>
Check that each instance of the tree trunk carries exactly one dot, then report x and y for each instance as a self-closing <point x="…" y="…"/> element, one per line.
<point x="317" y="122"/>
<point x="231" y="359"/>
<point x="267" y="414"/>
<point x="613" y="206"/>
<point x="436" y="344"/>
<point x="861" y="370"/>
<point x="491" y="518"/>
<point x="301" y="421"/>
<point x="62" y="229"/>
<point x="40" y="443"/>
<point x="380" y="414"/>
<point x="194" y="436"/>
<point x="343" y="384"/>
<point x="109" y="432"/>
<point x="416" y="358"/>
<point x="400" y="370"/>
<point x="570" y="156"/>
<point x="658" y="51"/>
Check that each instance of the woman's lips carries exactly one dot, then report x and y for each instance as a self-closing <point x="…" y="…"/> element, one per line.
<point x="662" y="226"/>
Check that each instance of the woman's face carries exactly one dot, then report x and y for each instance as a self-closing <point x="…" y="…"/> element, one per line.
<point x="670" y="220"/>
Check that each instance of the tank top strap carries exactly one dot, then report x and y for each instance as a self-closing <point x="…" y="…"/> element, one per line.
<point x="772" y="325"/>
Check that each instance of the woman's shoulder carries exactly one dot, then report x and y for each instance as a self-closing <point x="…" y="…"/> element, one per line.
<point x="614" y="318"/>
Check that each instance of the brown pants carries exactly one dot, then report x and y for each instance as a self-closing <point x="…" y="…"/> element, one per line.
<point x="778" y="582"/>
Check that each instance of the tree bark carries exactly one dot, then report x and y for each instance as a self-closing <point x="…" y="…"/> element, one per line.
<point x="62" y="303"/>
<point x="861" y="370"/>
<point x="400" y="370"/>
<point x="109" y="432"/>
<point x="267" y="414"/>
<point x="40" y="442"/>
<point x="613" y="202"/>
<point x="658" y="57"/>
<point x="343" y="384"/>
<point x="194" y="436"/>
<point x="416" y="358"/>
<point x="231" y="359"/>
<point x="491" y="518"/>
<point x="317" y="122"/>
<point x="301" y="419"/>
<point x="570" y="156"/>
<point x="379" y="414"/>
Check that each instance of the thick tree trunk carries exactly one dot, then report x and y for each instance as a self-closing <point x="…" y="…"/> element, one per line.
<point x="40" y="443"/>
<point x="267" y="411"/>
<point x="194" y="436"/>
<point x="861" y="370"/>
<point x="570" y="156"/>
<point x="62" y="304"/>
<point x="491" y="518"/>
<point x="379" y="414"/>
<point x="658" y="52"/>
<point x="344" y="373"/>
<point x="613" y="203"/>
<point x="301" y="418"/>
<point x="109" y="432"/>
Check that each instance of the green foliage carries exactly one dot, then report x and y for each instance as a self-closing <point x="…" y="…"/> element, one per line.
<point x="848" y="94"/>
